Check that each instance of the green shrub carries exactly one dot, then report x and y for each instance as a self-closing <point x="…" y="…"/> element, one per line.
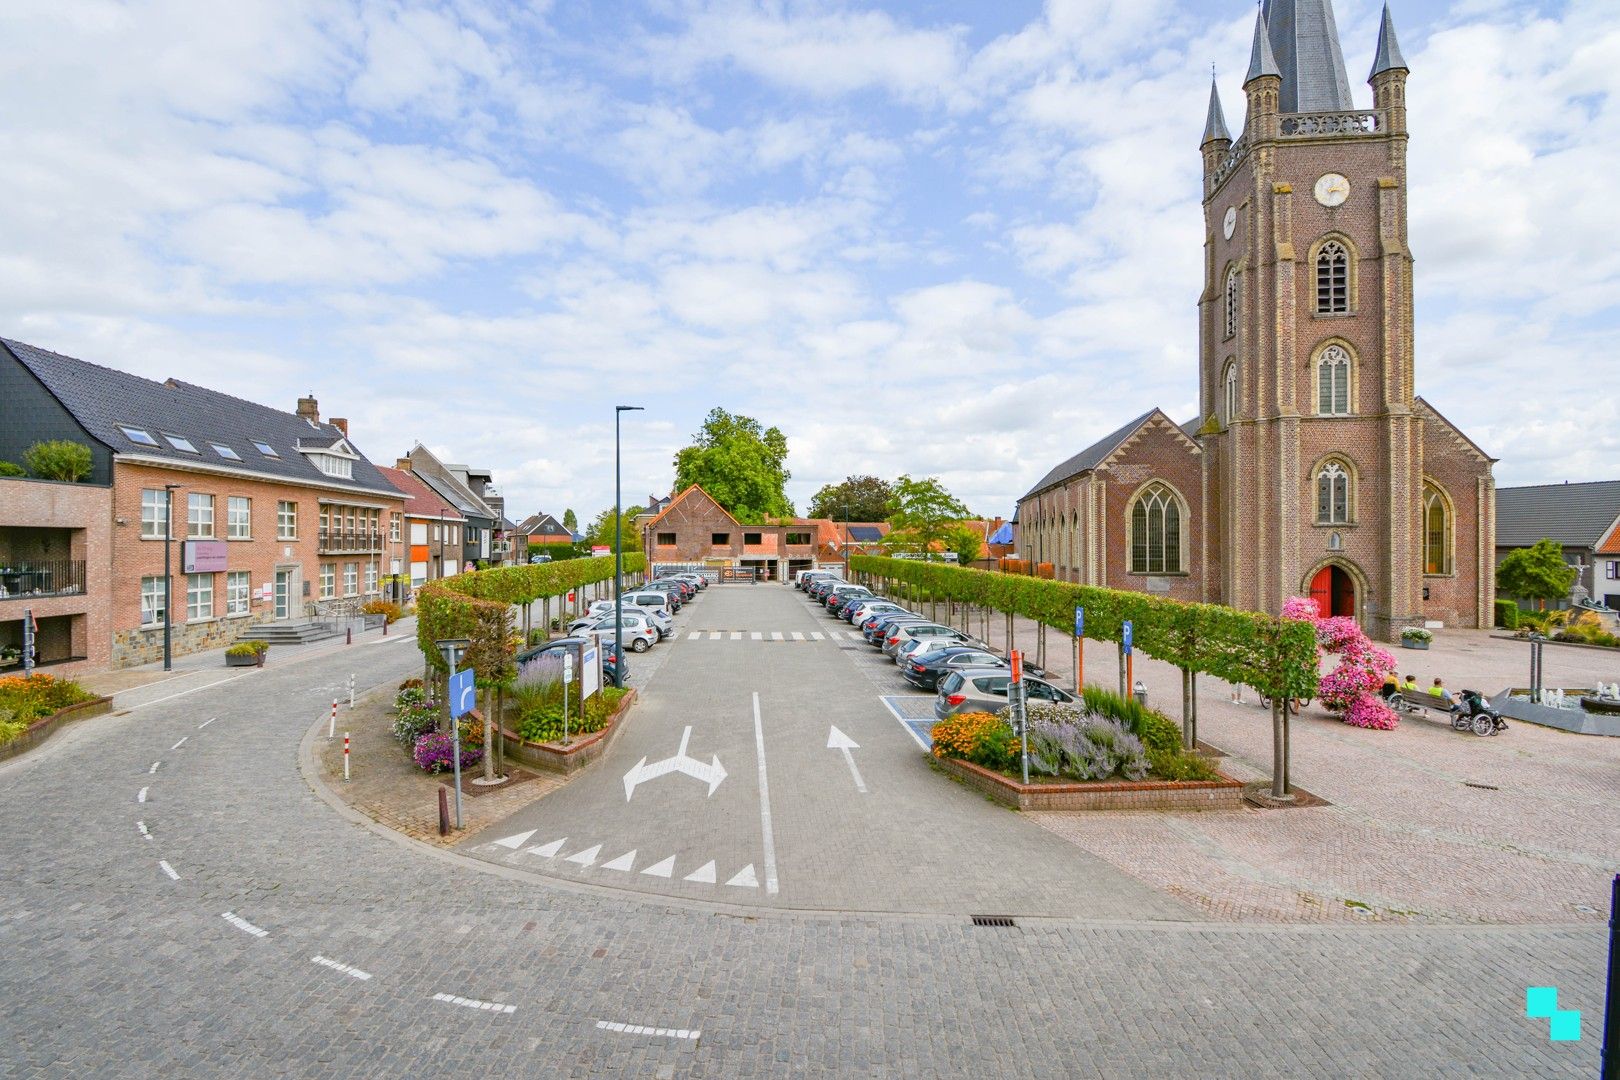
<point x="25" y="699"/>
<point x="1507" y="614"/>
<point x="1159" y="733"/>
<point x="1181" y="766"/>
<point x="997" y="749"/>
<point x="390" y="611"/>
<point x="10" y="726"/>
<point x="545" y="724"/>
<point x="11" y="468"/>
<point x="58" y="459"/>
<point x="242" y="648"/>
<point x="415" y="713"/>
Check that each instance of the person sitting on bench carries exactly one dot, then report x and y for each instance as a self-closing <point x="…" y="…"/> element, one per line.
<point x="1409" y="684"/>
<point x="1391" y="689"/>
<point x="1439" y="690"/>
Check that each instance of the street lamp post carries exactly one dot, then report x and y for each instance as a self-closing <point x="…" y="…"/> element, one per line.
<point x="168" y="580"/>
<point x="844" y="505"/>
<point x="618" y="552"/>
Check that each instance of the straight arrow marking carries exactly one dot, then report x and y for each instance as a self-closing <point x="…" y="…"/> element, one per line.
<point x="837" y="740"/>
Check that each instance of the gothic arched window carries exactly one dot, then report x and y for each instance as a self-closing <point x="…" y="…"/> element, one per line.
<point x="1332" y="279"/>
<point x="1229" y="394"/>
<point x="1333" y="382"/>
<point x="1231" y="302"/>
<point x="1332" y="495"/>
<point x="1436" y="531"/>
<point x="1156" y="532"/>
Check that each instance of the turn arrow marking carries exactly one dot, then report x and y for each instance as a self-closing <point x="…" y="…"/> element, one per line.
<point x="710" y="774"/>
<point x="837" y="740"/>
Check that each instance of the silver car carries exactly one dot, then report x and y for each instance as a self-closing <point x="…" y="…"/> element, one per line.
<point x="985" y="690"/>
<point x="927" y="643"/>
<point x="637" y="629"/>
<point x="907" y="631"/>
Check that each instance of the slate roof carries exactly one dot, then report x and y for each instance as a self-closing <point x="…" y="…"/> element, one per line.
<point x="1388" y="56"/>
<point x="541" y="525"/>
<point x="1575" y="515"/>
<point x="1088" y="458"/>
<point x="1215" y="123"/>
<point x="1305" y="43"/>
<point x="102" y="398"/>
<point x="435" y="474"/>
<point x="420" y="500"/>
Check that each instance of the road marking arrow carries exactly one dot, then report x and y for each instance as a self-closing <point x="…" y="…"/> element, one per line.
<point x="837" y="740"/>
<point x="710" y="774"/>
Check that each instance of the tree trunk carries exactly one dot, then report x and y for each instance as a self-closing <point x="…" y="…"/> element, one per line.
<point x="489" y="738"/>
<point x="1279" y="748"/>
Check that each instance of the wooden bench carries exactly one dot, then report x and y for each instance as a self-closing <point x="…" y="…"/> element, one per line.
<point x="1458" y="714"/>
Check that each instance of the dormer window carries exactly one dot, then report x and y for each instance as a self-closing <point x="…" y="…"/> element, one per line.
<point x="136" y="435"/>
<point x="332" y="465"/>
<point x="180" y="443"/>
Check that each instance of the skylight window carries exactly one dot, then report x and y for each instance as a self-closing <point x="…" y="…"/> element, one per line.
<point x="179" y="443"/>
<point x="136" y="435"/>
<point x="225" y="452"/>
<point x="264" y="448"/>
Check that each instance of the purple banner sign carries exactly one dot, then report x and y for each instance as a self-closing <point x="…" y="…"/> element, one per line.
<point x="204" y="556"/>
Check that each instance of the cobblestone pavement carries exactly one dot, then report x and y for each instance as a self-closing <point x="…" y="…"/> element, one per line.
<point x="112" y="966"/>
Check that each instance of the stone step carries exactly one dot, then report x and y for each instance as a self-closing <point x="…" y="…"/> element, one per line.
<point x="290" y="633"/>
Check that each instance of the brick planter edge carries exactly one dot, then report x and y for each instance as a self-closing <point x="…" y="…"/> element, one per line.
<point x="580" y="752"/>
<point x="45" y="727"/>
<point x="1222" y="794"/>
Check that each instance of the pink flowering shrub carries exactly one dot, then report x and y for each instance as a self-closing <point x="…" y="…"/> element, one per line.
<point x="1351" y="689"/>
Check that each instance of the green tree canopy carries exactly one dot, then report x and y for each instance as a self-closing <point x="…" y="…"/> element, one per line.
<point x="857" y="498"/>
<point x="924" y="514"/>
<point x="740" y="464"/>
<point x="601" y="530"/>
<point x="1538" y="572"/>
<point x="570" y="521"/>
<point x="58" y="459"/>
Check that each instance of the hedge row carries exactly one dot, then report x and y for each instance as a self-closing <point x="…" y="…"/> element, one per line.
<point x="478" y="606"/>
<point x="1275" y="656"/>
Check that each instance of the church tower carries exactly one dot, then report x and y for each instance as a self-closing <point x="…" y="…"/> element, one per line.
<point x="1313" y="441"/>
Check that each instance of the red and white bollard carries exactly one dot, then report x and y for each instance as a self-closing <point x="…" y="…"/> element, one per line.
<point x="345" y="757"/>
<point x="331" y="725"/>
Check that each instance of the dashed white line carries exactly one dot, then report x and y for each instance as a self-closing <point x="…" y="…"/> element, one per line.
<point x="205" y="723"/>
<point x="817" y="635"/>
<point x="345" y="968"/>
<point x="736" y="635"/>
<point x="764" y="802"/>
<point x="167" y="869"/>
<point x="776" y="635"/>
<point x="179" y="744"/>
<point x="638" y="1029"/>
<point x="140" y="796"/>
<point x="154" y="767"/>
<point x="797" y="636"/>
<point x="193" y="690"/>
<point x="242" y="924"/>
<point x="141" y="825"/>
<point x="755" y="635"/>
<point x="474" y="1003"/>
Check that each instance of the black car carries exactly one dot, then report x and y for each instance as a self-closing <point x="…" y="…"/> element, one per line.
<point x="925" y="670"/>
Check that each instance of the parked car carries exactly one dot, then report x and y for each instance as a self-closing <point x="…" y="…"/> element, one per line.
<point x="847" y="604"/>
<point x="610" y="658"/>
<point x="922" y="643"/>
<point x="654" y="605"/>
<point x="686" y="588"/>
<point x="697" y="581"/>
<point x="677" y="595"/>
<point x="876" y="630"/>
<point x="536" y="560"/>
<point x="844" y="592"/>
<point x="806" y="578"/>
<point x="985" y="690"/>
<point x="890" y="628"/>
<point x="638" y="631"/>
<point x="859" y="612"/>
<point x="818" y="589"/>
<point x="924" y="670"/>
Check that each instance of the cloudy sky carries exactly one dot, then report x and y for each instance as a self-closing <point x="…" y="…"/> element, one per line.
<point x="945" y="237"/>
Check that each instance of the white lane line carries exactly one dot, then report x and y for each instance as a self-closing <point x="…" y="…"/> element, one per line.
<point x="776" y="635"/>
<point x="141" y="825"/>
<point x="764" y="802"/>
<point x="695" y="635"/>
<point x="755" y="635"/>
<point x="474" y="1003"/>
<point x="179" y="744"/>
<point x="855" y="635"/>
<point x="638" y="1029"/>
<point x="140" y="796"/>
<point x="167" y="869"/>
<point x="797" y="636"/>
<point x="193" y="690"/>
<point x="154" y="767"/>
<point x="242" y="924"/>
<point x="817" y="635"/>
<point x="345" y="968"/>
<point x="736" y="635"/>
<point x="909" y="730"/>
<point x="205" y="723"/>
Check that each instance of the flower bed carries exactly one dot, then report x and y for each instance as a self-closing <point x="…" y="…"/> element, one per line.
<point x="1222" y="793"/>
<point x="580" y="751"/>
<point x="32" y="707"/>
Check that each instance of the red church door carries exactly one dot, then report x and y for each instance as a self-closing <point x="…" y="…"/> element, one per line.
<point x="1334" y="591"/>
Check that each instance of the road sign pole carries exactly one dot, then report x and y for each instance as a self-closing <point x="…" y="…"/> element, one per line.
<point x="1015" y="697"/>
<point x="1130" y="666"/>
<point x="452" y="649"/>
<point x="455" y="755"/>
<point x="1079" y="649"/>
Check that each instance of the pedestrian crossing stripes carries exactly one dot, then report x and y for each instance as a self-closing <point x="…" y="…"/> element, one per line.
<point x="774" y="635"/>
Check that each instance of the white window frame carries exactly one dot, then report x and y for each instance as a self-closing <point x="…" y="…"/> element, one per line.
<point x="238" y="528"/>
<point x="371" y="578"/>
<point x="351" y="579"/>
<point x="393" y="528"/>
<point x="152" y="600"/>
<point x="1157" y="497"/>
<point x="199" y="516"/>
<point x="286" y="520"/>
<point x="1229" y="393"/>
<point x="154" y="514"/>
<point x="199" y="597"/>
<point x="328" y="580"/>
<point x="238" y="591"/>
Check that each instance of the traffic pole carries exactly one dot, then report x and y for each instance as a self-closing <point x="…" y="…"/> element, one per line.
<point x="1611" y="1000"/>
<point x="331" y="725"/>
<point x="345" y="757"/>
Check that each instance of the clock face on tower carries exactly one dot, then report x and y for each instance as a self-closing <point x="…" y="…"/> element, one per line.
<point x="1229" y="222"/>
<point x="1332" y="189"/>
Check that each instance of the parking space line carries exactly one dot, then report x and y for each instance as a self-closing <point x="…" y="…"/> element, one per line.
<point x="736" y="635"/>
<point x="904" y="723"/>
<point x="695" y="635"/>
<point x="765" y="802"/>
<point x="797" y="636"/>
<point x="755" y="635"/>
<point x="817" y="635"/>
<point x="776" y="635"/>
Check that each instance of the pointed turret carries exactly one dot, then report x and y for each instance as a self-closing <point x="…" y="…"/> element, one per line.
<point x="1215" y="123"/>
<point x="1305" y="42"/>
<point x="1262" y="61"/>
<point x="1388" y="57"/>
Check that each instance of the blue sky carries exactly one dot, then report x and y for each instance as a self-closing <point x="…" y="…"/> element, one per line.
<point x="943" y="238"/>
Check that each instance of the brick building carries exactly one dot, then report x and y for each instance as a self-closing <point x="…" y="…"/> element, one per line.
<point x="55" y="540"/>
<point x="431" y="533"/>
<point x="480" y="521"/>
<point x="1312" y="467"/>
<point x="276" y="515"/>
<point x="1584" y="520"/>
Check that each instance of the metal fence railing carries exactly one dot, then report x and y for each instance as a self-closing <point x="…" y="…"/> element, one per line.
<point x="42" y="577"/>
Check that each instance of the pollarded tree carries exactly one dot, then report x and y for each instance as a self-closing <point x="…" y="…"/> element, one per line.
<point x="741" y="465"/>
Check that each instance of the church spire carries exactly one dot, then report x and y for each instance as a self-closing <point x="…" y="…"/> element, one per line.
<point x="1261" y="59"/>
<point x="1388" y="57"/>
<point x="1215" y="124"/>
<point x="1305" y="43"/>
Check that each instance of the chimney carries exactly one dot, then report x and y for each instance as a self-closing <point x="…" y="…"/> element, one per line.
<point x="341" y="424"/>
<point x="309" y="409"/>
<point x="403" y="464"/>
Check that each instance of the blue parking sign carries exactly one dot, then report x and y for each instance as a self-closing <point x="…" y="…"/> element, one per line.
<point x="463" y="693"/>
<point x="1079" y="622"/>
<point x="1125" y="638"/>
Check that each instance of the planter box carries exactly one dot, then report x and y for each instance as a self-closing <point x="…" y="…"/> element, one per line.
<point x="42" y="729"/>
<point x="256" y="660"/>
<point x="1222" y="794"/>
<point x="1409" y="644"/>
<point x="580" y="751"/>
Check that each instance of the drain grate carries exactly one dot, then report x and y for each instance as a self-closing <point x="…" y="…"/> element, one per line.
<point x="1482" y="787"/>
<point x="993" y="920"/>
